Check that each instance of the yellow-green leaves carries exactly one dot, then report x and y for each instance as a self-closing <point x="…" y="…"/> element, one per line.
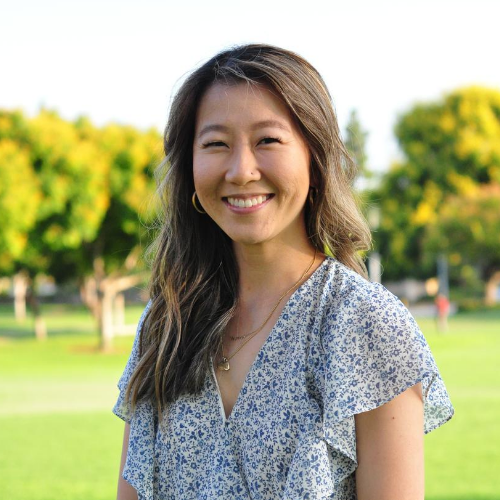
<point x="451" y="166"/>
<point x="67" y="186"/>
<point x="20" y="196"/>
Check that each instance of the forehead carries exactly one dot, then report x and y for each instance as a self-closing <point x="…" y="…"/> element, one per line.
<point x="240" y="102"/>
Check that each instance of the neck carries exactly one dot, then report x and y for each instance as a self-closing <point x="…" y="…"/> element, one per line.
<point x="266" y="271"/>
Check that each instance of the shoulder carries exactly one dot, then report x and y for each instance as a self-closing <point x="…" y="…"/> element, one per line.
<point x="358" y="311"/>
<point x="346" y="293"/>
<point x="373" y="350"/>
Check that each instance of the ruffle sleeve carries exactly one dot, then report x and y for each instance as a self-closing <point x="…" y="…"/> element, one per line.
<point x="374" y="351"/>
<point x="139" y="466"/>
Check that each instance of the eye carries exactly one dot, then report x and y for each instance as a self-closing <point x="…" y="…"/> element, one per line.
<point x="270" y="140"/>
<point x="212" y="144"/>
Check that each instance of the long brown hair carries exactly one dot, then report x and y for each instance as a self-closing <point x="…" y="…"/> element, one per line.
<point x="194" y="283"/>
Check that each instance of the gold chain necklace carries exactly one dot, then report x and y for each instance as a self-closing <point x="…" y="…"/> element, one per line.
<point x="239" y="337"/>
<point x="224" y="362"/>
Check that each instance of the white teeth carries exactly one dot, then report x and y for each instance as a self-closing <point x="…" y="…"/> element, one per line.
<point x="247" y="203"/>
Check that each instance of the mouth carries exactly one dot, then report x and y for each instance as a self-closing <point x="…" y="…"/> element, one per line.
<point x="248" y="201"/>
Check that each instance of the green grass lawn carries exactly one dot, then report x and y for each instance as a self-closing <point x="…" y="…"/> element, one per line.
<point x="60" y="441"/>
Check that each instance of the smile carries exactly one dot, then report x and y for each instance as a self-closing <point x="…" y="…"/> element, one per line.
<point x="248" y="202"/>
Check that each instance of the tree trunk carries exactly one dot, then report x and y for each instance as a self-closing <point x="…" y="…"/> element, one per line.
<point x="88" y="294"/>
<point x="120" y="310"/>
<point x="40" y="327"/>
<point x="107" y="320"/>
<point x="108" y="295"/>
<point x="492" y="284"/>
<point x="20" y="286"/>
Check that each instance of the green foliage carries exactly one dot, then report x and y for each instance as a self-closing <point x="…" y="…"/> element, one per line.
<point x="467" y="228"/>
<point x="72" y="192"/>
<point x="355" y="142"/>
<point x="453" y="138"/>
<point x="476" y="305"/>
<point x="450" y="147"/>
<point x="73" y="173"/>
<point x="20" y="196"/>
<point x="132" y="156"/>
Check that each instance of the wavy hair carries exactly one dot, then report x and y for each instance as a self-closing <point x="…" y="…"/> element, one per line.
<point x="194" y="283"/>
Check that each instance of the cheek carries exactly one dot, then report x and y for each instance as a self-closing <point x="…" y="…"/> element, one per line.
<point x="205" y="183"/>
<point x="294" y="177"/>
<point x="200" y="173"/>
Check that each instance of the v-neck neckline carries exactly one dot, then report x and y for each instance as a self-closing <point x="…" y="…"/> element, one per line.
<point x="263" y="347"/>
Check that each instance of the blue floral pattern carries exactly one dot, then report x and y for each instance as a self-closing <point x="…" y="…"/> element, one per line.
<point x="341" y="346"/>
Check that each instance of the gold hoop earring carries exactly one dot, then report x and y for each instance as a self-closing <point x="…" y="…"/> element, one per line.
<point x="193" y="199"/>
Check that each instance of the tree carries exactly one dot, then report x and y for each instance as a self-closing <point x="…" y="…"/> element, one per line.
<point x="112" y="185"/>
<point x="448" y="145"/>
<point x="20" y="197"/>
<point x="111" y="262"/>
<point x="356" y="144"/>
<point x="467" y="229"/>
<point x="87" y="188"/>
<point x="70" y="176"/>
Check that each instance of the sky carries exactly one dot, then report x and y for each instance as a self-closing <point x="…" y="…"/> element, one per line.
<point x="121" y="60"/>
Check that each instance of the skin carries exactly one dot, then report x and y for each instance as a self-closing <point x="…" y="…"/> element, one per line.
<point x="125" y="490"/>
<point x="247" y="144"/>
<point x="390" y="449"/>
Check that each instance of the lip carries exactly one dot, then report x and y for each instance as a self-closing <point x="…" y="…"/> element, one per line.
<point x="247" y="196"/>
<point x="247" y="210"/>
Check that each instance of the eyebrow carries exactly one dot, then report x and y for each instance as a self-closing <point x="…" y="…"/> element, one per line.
<point x="270" y="123"/>
<point x="215" y="127"/>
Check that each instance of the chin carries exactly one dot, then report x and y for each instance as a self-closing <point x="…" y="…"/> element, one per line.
<point x="247" y="238"/>
<point x="246" y="241"/>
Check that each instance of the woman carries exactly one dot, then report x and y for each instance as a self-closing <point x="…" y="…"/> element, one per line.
<point x="263" y="368"/>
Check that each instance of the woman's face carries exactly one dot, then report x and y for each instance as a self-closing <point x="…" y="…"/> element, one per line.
<point x="250" y="165"/>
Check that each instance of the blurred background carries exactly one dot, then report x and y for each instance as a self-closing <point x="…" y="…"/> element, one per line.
<point x="84" y="95"/>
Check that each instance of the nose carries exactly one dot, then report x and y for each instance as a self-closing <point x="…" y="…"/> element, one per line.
<point x="242" y="167"/>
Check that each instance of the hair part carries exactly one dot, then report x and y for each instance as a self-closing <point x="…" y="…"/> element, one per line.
<point x="194" y="280"/>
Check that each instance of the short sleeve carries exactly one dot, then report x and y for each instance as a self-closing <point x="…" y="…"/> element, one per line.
<point x="122" y="407"/>
<point x="374" y="351"/>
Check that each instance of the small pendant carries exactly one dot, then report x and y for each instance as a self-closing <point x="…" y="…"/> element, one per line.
<point x="223" y="364"/>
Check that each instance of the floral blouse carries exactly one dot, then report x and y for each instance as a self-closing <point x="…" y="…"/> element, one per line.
<point x="341" y="346"/>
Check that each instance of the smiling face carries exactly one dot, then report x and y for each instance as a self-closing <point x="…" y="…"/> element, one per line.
<point x="251" y="165"/>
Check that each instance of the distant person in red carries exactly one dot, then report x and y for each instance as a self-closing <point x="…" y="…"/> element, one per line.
<point x="443" y="308"/>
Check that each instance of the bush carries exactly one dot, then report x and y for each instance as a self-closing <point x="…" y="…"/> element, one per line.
<point x="475" y="305"/>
